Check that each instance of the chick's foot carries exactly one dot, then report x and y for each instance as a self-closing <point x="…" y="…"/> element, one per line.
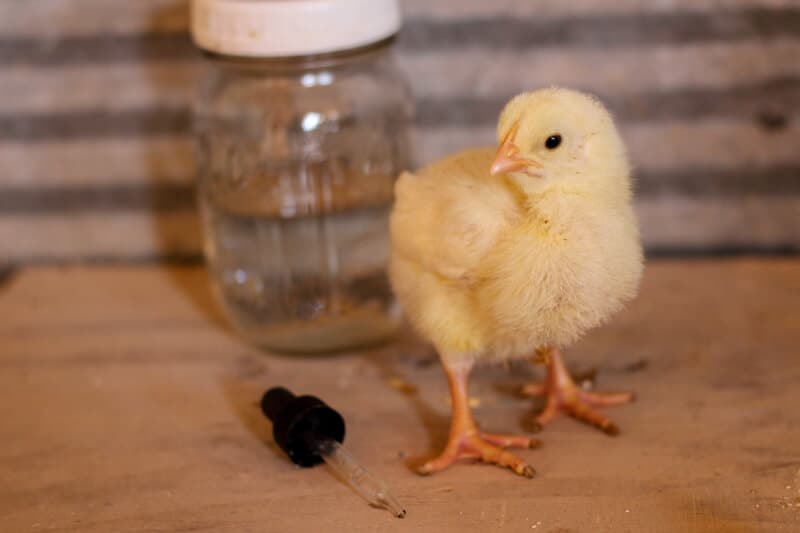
<point x="484" y="447"/>
<point x="466" y="442"/>
<point x="562" y="394"/>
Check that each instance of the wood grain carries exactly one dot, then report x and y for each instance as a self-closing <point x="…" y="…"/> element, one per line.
<point x="128" y="406"/>
<point x="125" y="235"/>
<point x="161" y="82"/>
<point x="671" y="224"/>
<point x="670" y="146"/>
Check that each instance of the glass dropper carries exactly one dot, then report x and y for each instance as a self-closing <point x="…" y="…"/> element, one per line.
<point x="372" y="489"/>
<point x="310" y="432"/>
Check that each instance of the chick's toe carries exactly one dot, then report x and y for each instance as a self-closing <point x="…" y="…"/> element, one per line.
<point x="487" y="448"/>
<point x="563" y="395"/>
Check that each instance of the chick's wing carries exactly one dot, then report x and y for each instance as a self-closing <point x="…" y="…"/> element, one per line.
<point x="449" y="215"/>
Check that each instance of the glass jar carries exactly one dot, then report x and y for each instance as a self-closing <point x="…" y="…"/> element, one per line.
<point x="298" y="148"/>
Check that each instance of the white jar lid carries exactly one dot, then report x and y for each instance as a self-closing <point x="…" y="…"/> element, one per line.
<point x="285" y="28"/>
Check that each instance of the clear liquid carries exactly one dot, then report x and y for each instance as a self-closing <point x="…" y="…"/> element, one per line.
<point x="305" y="284"/>
<point x="295" y="183"/>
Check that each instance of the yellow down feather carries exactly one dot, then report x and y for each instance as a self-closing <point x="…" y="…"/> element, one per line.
<point x="495" y="266"/>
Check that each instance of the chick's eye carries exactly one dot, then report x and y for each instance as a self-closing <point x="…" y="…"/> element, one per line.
<point x="553" y="142"/>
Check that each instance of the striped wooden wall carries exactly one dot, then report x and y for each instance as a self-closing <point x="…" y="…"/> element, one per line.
<point x="96" y="162"/>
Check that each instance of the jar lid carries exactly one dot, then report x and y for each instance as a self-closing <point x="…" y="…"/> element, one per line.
<point x="286" y="28"/>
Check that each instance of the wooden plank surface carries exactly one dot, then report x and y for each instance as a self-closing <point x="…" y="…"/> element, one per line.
<point x="127" y="405"/>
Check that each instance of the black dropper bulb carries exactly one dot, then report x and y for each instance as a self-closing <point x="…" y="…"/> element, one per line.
<point x="301" y="423"/>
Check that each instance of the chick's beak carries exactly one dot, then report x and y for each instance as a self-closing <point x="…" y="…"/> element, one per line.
<point x="508" y="158"/>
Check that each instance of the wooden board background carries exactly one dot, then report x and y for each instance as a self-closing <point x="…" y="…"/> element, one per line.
<point x="96" y="163"/>
<point x="127" y="407"/>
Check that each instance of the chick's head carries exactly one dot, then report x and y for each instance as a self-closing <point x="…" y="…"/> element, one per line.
<point x="561" y="140"/>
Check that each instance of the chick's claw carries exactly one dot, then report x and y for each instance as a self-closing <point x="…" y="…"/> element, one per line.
<point x="581" y="411"/>
<point x="562" y="394"/>
<point x="487" y="448"/>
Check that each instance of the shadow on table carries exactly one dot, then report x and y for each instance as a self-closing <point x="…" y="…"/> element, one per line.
<point x="243" y="394"/>
<point x="395" y="363"/>
<point x="194" y="282"/>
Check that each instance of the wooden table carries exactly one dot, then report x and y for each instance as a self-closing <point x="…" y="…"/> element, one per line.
<point x="128" y="406"/>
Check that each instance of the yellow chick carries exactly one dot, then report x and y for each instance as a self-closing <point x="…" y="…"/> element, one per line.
<point x="515" y="252"/>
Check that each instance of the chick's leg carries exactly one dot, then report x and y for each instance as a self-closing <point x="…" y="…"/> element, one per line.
<point x="467" y="442"/>
<point x="562" y="394"/>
